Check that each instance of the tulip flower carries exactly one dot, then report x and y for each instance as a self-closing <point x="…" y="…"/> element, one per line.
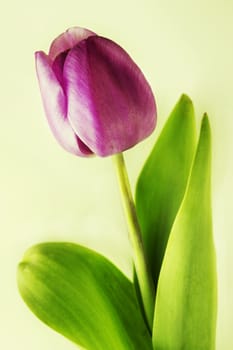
<point x="96" y="99"/>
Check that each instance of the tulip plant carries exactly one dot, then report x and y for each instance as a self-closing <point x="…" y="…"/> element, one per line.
<point x="98" y="102"/>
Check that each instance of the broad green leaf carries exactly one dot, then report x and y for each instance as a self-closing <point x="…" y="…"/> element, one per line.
<point x="162" y="182"/>
<point x="185" y="309"/>
<point x="83" y="296"/>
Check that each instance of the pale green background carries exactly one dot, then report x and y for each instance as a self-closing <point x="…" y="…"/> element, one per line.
<point x="47" y="194"/>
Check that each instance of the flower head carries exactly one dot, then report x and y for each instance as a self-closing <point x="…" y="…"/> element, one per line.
<point x="96" y="99"/>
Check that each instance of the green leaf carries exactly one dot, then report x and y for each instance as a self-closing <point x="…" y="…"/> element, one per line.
<point x="185" y="310"/>
<point x="83" y="296"/>
<point x="162" y="182"/>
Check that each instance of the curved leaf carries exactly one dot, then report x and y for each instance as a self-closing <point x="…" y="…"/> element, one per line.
<point x="162" y="182"/>
<point x="185" y="310"/>
<point x="83" y="296"/>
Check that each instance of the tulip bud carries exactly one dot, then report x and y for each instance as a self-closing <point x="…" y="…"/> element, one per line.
<point x="96" y="99"/>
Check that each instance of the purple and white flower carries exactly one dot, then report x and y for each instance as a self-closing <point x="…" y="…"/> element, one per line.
<point x="96" y="99"/>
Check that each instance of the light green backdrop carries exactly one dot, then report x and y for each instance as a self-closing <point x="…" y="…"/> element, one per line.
<point x="47" y="194"/>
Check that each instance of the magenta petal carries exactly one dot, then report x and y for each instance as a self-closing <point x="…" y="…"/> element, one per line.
<point x="58" y="65"/>
<point x="110" y="104"/>
<point x="67" y="40"/>
<point x="54" y="101"/>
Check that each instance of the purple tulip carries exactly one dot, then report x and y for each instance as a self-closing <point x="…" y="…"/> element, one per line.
<point x="95" y="97"/>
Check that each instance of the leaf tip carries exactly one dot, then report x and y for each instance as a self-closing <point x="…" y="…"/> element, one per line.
<point x="205" y="125"/>
<point x="184" y="98"/>
<point x="185" y="107"/>
<point x="205" y="119"/>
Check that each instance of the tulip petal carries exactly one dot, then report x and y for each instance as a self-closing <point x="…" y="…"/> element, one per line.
<point x="67" y="40"/>
<point x="58" y="65"/>
<point x="55" y="106"/>
<point x="110" y="104"/>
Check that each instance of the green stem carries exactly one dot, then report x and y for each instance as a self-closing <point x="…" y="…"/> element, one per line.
<point x="145" y="280"/>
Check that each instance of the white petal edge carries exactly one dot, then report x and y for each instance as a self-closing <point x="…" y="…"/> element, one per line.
<point x="68" y="39"/>
<point x="54" y="101"/>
